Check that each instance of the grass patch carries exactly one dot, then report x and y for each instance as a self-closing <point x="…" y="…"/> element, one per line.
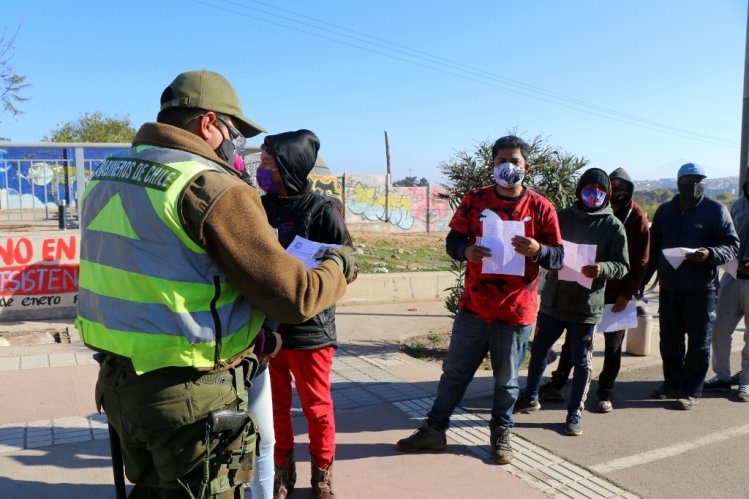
<point x="402" y="254"/>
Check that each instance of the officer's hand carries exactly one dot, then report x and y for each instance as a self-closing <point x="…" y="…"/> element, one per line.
<point x="591" y="271"/>
<point x="698" y="256"/>
<point x="343" y="256"/>
<point x="476" y="253"/>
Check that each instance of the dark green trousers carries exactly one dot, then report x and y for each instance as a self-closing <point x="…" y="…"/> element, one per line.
<point x="160" y="418"/>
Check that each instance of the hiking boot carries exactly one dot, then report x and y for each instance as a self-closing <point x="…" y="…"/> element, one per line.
<point x="735" y="379"/>
<point x="685" y="403"/>
<point x="284" y="478"/>
<point x="322" y="480"/>
<point x="574" y="424"/>
<point x="743" y="394"/>
<point x="548" y="393"/>
<point x="604" y="406"/>
<point x="425" y="438"/>
<point x="716" y="384"/>
<point x="665" y="392"/>
<point x="500" y="442"/>
<point x="526" y="406"/>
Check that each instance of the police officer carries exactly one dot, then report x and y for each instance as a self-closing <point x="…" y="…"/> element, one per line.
<point x="174" y="288"/>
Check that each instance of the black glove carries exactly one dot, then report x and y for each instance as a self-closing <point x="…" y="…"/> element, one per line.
<point x="344" y="258"/>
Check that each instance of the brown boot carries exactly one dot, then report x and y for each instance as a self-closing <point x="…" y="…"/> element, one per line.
<point x="322" y="480"/>
<point x="284" y="478"/>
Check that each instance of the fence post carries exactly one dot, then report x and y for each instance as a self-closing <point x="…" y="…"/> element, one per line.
<point x="429" y="206"/>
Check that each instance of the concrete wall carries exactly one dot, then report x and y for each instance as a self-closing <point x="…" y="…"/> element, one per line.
<point x="39" y="279"/>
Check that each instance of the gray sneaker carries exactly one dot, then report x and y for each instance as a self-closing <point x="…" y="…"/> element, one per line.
<point x="526" y="406"/>
<point x="604" y="406"/>
<point x="574" y="424"/>
<point x="743" y="393"/>
<point x="425" y="438"/>
<point x="500" y="442"/>
<point x="685" y="403"/>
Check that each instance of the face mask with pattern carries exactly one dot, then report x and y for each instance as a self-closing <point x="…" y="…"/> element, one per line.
<point x="508" y="175"/>
<point x="593" y="199"/>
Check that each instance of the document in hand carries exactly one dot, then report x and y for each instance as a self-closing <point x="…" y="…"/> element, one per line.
<point x="625" y="319"/>
<point x="497" y="235"/>
<point x="731" y="267"/>
<point x="675" y="256"/>
<point x="576" y="256"/>
<point x="307" y="251"/>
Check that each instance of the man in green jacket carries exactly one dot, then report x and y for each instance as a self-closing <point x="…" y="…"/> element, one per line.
<point x="570" y="305"/>
<point x="173" y="291"/>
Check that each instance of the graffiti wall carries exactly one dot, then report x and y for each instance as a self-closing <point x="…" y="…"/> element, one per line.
<point x="371" y="205"/>
<point x="38" y="275"/>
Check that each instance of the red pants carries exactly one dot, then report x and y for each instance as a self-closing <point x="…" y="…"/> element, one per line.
<point x="311" y="371"/>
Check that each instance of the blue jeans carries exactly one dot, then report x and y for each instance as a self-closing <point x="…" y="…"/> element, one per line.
<point x="261" y="406"/>
<point x="580" y="337"/>
<point x="471" y="339"/>
<point x="690" y="313"/>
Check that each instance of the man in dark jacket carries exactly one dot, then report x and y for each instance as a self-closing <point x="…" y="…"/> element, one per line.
<point x="293" y="209"/>
<point x="568" y="304"/>
<point x="688" y="292"/>
<point x="618" y="292"/>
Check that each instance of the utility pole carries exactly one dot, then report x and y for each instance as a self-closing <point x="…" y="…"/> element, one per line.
<point x="387" y="178"/>
<point x="744" y="154"/>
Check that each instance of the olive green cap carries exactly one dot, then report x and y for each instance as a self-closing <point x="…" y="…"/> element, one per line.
<point x="209" y="91"/>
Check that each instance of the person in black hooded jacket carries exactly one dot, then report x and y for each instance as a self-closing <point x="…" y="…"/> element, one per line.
<point x="293" y="209"/>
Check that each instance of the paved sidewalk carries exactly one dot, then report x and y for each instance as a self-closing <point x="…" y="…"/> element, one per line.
<point x="53" y="444"/>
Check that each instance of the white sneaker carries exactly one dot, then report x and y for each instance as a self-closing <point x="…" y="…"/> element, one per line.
<point x="604" y="406"/>
<point x="743" y="393"/>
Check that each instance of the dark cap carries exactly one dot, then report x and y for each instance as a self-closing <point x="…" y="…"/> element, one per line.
<point x="209" y="91"/>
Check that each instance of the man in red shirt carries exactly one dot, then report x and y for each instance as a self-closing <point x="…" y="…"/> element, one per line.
<point x="496" y="311"/>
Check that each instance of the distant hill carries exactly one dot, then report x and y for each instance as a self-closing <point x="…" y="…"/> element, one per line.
<point x="713" y="186"/>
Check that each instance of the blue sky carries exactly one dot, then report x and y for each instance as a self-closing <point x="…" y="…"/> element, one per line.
<point x="646" y="85"/>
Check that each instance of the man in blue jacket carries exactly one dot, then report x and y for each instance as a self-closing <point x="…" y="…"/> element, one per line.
<point x="688" y="293"/>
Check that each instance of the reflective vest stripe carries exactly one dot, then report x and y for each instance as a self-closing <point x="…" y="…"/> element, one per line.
<point x="156" y="318"/>
<point x="177" y="349"/>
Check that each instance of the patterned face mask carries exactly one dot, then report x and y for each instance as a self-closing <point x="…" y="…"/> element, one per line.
<point x="508" y="175"/>
<point x="593" y="198"/>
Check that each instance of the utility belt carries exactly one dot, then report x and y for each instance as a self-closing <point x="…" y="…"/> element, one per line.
<point x="241" y="375"/>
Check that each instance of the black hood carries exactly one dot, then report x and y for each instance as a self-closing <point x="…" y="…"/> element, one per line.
<point x="622" y="174"/>
<point x="295" y="154"/>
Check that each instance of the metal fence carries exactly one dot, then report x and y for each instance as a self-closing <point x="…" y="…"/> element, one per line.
<point x="37" y="178"/>
<point x="44" y="181"/>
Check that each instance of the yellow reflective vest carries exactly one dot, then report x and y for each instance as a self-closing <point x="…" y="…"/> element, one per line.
<point x="147" y="292"/>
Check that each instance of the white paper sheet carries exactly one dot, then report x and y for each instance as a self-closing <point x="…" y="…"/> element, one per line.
<point x="625" y="319"/>
<point x="731" y="267"/>
<point x="497" y="236"/>
<point x="576" y="256"/>
<point x="305" y="250"/>
<point x="675" y="256"/>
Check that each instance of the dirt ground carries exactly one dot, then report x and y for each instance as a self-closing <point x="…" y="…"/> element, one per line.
<point x="406" y="241"/>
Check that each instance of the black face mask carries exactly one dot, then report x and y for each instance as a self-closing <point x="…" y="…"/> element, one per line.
<point x="226" y="151"/>
<point x="620" y="196"/>
<point x="690" y="193"/>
